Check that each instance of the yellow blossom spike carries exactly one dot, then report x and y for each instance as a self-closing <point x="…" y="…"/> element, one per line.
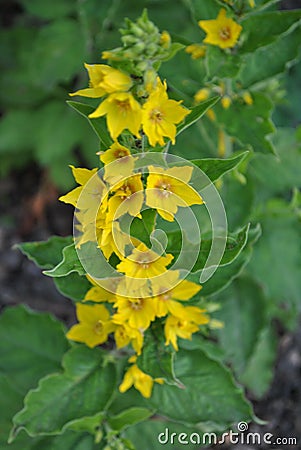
<point x="122" y="111"/>
<point x="160" y="114"/>
<point x="222" y="31"/>
<point x="94" y="325"/>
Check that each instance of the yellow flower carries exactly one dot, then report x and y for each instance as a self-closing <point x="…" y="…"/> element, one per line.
<point x="99" y="294"/>
<point x="113" y="240"/>
<point x="137" y="312"/>
<point x="184" y="326"/>
<point x="211" y="115"/>
<point x="165" y="39"/>
<point x="201" y="95"/>
<point x="81" y="176"/>
<point x="196" y="50"/>
<point x="160" y="114"/>
<point x="166" y="298"/>
<point x="167" y="189"/>
<point x="144" y="263"/>
<point x="128" y="198"/>
<point x="124" y="335"/>
<point x="226" y="101"/>
<point x="247" y="98"/>
<point x="114" y="153"/>
<point x="94" y="327"/>
<point x="123" y="112"/>
<point x="252" y="3"/>
<point x="119" y="163"/>
<point x="222" y="31"/>
<point x="140" y="380"/>
<point x="104" y="80"/>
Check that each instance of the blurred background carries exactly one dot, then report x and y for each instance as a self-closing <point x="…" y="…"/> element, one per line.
<point x="43" y="46"/>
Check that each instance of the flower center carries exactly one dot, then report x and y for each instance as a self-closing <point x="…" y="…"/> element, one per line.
<point x="137" y="304"/>
<point x="119" y="154"/>
<point x="98" y="327"/>
<point x="225" y="33"/>
<point x="123" y="105"/>
<point x="156" y="115"/>
<point x="164" y="188"/>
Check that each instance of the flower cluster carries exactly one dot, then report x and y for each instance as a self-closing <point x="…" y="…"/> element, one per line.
<point x="156" y="116"/>
<point x="147" y="290"/>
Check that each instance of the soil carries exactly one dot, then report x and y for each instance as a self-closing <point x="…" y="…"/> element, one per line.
<point x="30" y="212"/>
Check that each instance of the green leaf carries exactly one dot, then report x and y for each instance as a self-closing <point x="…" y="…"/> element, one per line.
<point x="196" y="113"/>
<point x="234" y="245"/>
<point x="22" y="120"/>
<point x="53" y="10"/>
<point x="209" y="393"/>
<point x="56" y="53"/>
<point x="142" y="228"/>
<point x="70" y="263"/>
<point x="277" y="267"/>
<point x="73" y="286"/>
<point x="263" y="28"/>
<point x="84" y="389"/>
<point x="45" y="254"/>
<point x="259" y="371"/>
<point x="98" y="125"/>
<point x="225" y="274"/>
<point x="243" y="312"/>
<point x="31" y="346"/>
<point x="237" y="121"/>
<point x="156" y="359"/>
<point x="238" y="197"/>
<point x="271" y="60"/>
<point x="71" y="132"/>
<point x="129" y="417"/>
<point x="284" y="170"/>
<point x="167" y="431"/>
<point x="221" y="64"/>
<point x="215" y="168"/>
